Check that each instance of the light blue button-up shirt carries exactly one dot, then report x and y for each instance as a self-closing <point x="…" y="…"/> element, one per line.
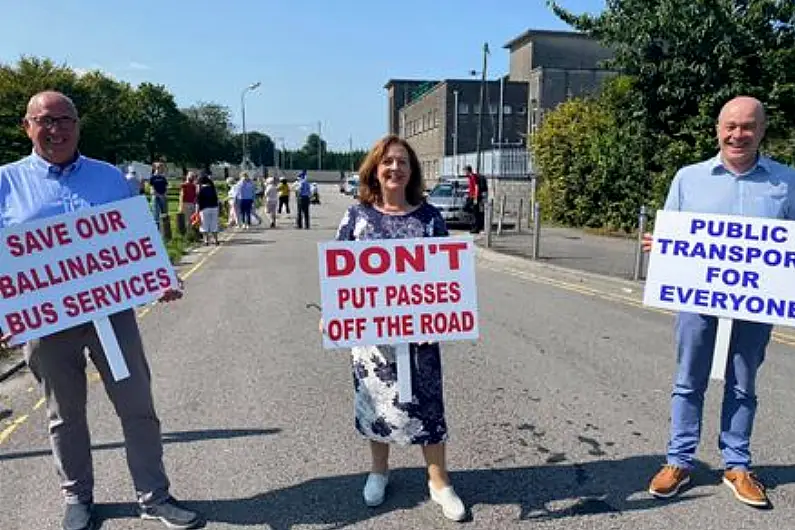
<point x="767" y="190"/>
<point x="32" y="188"/>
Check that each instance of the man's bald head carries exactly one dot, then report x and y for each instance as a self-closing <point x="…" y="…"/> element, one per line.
<point x="741" y="127"/>
<point x="50" y="98"/>
<point x="51" y="122"/>
<point x="745" y="105"/>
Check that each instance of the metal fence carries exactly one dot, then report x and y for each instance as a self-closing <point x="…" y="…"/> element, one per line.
<point x="514" y="226"/>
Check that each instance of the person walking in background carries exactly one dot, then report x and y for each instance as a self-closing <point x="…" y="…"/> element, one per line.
<point x="135" y="181"/>
<point x="284" y="195"/>
<point x="231" y="201"/>
<point x="473" y="195"/>
<point x="208" y="209"/>
<point x="303" y="191"/>
<point x="246" y="192"/>
<point x="188" y="191"/>
<point x="33" y="189"/>
<point x="158" y="184"/>
<point x="738" y="181"/>
<point x="271" y="197"/>
<point x="391" y="205"/>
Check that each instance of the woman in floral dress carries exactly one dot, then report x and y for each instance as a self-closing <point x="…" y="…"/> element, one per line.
<point x="391" y="205"/>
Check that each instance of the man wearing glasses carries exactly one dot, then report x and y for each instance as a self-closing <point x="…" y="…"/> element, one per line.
<point x="55" y="179"/>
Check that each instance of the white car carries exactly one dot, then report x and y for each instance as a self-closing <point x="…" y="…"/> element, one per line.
<point x="449" y="197"/>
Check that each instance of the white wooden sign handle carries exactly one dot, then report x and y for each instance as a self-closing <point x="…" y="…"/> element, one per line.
<point x="107" y="337"/>
<point x="720" y="357"/>
<point x="403" y="372"/>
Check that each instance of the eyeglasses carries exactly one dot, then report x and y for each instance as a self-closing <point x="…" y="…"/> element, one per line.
<point x="48" y="122"/>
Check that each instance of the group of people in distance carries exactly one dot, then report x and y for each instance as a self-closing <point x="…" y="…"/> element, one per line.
<point x="738" y="180"/>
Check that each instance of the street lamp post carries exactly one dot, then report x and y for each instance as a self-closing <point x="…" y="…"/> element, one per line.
<point x="253" y="86"/>
<point x="482" y="100"/>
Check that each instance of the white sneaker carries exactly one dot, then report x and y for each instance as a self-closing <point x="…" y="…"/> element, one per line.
<point x="451" y="504"/>
<point x="375" y="489"/>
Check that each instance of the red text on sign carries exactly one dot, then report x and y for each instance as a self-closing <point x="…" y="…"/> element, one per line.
<point x="394" y="326"/>
<point x="420" y="294"/>
<point x="346" y="328"/>
<point x="400" y="259"/>
<point x="357" y="297"/>
<point x="110" y="295"/>
<point x="443" y="323"/>
<point x="38" y="240"/>
<point x="31" y="318"/>
<point x="100" y="224"/>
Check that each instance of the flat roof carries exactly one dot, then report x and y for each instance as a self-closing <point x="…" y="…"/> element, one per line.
<point x="530" y="33"/>
<point x="420" y="81"/>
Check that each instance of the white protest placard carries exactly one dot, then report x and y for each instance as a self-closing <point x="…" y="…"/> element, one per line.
<point x="59" y="272"/>
<point x="730" y="267"/>
<point x="398" y="291"/>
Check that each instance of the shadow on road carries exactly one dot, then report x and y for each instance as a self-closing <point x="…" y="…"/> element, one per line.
<point x="240" y="241"/>
<point x="168" y="438"/>
<point x="580" y="489"/>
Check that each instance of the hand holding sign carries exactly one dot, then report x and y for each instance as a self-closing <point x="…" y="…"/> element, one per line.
<point x="398" y="292"/>
<point x="730" y="267"/>
<point x="59" y="272"/>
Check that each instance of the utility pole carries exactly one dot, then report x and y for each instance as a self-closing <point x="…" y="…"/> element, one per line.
<point x="319" y="145"/>
<point x="455" y="132"/>
<point x="482" y="110"/>
<point x="350" y="150"/>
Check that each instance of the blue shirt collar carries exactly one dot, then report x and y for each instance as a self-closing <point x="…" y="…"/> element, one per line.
<point x="762" y="163"/>
<point x="54" y="169"/>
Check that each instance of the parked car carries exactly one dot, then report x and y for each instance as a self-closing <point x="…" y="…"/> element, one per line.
<point x="352" y="186"/>
<point x="449" y="197"/>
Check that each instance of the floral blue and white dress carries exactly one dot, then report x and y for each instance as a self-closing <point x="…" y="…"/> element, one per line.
<point x="379" y="414"/>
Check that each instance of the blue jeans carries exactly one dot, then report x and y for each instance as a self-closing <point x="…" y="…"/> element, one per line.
<point x="695" y="341"/>
<point x="159" y="207"/>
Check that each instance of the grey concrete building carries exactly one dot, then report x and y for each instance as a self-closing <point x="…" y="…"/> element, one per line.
<point x="546" y="68"/>
<point x="425" y="114"/>
<point x="556" y="65"/>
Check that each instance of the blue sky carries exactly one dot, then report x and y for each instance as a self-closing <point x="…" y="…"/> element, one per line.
<point x="318" y="60"/>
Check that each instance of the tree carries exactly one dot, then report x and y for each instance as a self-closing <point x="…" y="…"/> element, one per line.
<point x="108" y="119"/>
<point x="310" y="151"/>
<point x="207" y="136"/>
<point x="160" y="124"/>
<point x="17" y="84"/>
<point x="688" y="58"/>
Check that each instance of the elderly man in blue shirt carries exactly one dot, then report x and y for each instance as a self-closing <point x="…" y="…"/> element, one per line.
<point x="738" y="181"/>
<point x="54" y="179"/>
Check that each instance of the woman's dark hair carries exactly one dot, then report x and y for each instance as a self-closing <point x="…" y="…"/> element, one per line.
<point x="206" y="180"/>
<point x="370" y="189"/>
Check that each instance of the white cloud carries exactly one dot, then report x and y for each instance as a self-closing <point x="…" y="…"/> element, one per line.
<point x="133" y="65"/>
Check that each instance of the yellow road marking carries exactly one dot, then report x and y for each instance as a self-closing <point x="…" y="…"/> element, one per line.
<point x="5" y="433"/>
<point x="94" y="376"/>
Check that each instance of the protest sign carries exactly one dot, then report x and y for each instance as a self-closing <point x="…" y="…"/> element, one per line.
<point x="59" y="272"/>
<point x="398" y="291"/>
<point x="731" y="267"/>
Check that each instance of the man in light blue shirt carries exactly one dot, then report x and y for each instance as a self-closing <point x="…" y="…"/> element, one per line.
<point x="55" y="179"/>
<point x="738" y="181"/>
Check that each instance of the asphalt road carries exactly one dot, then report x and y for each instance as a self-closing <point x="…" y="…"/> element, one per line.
<point x="558" y="415"/>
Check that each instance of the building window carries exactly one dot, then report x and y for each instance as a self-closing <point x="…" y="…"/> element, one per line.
<point x="522" y="110"/>
<point x="476" y="108"/>
<point x="436" y="118"/>
<point x="506" y="110"/>
<point x="463" y="108"/>
<point x="494" y="108"/>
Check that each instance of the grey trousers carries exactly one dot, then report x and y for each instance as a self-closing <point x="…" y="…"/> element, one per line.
<point x="58" y="362"/>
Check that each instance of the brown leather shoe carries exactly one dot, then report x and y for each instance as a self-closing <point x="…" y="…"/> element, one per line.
<point x="668" y="481"/>
<point x="746" y="487"/>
